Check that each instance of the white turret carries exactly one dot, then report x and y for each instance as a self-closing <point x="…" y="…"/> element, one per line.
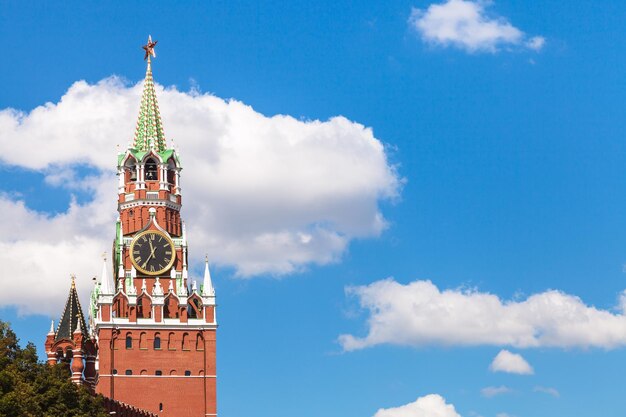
<point x="207" y="286"/>
<point x="157" y="289"/>
<point x="107" y="287"/>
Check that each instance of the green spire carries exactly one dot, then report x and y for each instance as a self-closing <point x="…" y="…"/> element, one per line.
<point x="149" y="133"/>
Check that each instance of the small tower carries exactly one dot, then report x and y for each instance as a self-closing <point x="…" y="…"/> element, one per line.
<point x="70" y="343"/>
<point x="155" y="335"/>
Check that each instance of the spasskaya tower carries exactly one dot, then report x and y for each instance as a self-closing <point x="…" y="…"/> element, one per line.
<point x="154" y="327"/>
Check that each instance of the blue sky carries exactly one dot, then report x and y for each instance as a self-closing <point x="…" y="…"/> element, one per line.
<point x="509" y="159"/>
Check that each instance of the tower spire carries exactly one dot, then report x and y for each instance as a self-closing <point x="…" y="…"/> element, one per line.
<point x="149" y="132"/>
<point x="207" y="285"/>
<point x="107" y="287"/>
<point x="72" y="317"/>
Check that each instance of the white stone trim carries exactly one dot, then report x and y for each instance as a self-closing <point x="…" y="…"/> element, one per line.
<point x="150" y="324"/>
<point x="150" y="203"/>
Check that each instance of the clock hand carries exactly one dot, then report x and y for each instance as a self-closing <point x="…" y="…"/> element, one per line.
<point x="151" y="249"/>
<point x="149" y="257"/>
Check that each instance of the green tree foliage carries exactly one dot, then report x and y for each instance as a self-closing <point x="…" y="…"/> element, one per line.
<point x="29" y="388"/>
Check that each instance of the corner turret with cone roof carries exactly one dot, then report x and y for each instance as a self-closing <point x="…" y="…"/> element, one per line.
<point x="70" y="343"/>
<point x="156" y="331"/>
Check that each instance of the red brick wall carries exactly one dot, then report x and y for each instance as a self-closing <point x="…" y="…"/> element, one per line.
<point x="179" y="395"/>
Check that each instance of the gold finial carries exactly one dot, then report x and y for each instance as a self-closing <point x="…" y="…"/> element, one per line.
<point x="73" y="276"/>
<point x="206" y="258"/>
<point x="149" y="48"/>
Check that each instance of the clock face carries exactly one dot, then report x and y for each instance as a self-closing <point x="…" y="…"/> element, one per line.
<point x="152" y="252"/>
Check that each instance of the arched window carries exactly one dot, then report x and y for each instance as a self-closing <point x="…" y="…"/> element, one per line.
<point x="128" y="372"/>
<point x="129" y="341"/>
<point x="170" y="342"/>
<point x="120" y="306"/>
<point x="171" y="172"/>
<point x="173" y="372"/>
<point x="142" y="340"/>
<point x="151" y="170"/>
<point x="60" y="356"/>
<point x="157" y="341"/>
<point x="185" y="341"/>
<point x="160" y="406"/>
<point x="199" y="342"/>
<point x="158" y="373"/>
<point x="170" y="308"/>
<point x="187" y="373"/>
<point x="130" y="170"/>
<point x="195" y="308"/>
<point x="144" y="307"/>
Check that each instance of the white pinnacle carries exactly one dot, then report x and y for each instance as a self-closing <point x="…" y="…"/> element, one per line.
<point x="79" y="327"/>
<point x="51" y="327"/>
<point x="107" y="287"/>
<point x="157" y="289"/>
<point x="207" y="286"/>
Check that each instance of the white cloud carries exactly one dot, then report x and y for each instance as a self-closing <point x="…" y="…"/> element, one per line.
<point x="418" y="314"/>
<point x="491" y="392"/>
<point x="466" y="24"/>
<point x="547" y="390"/>
<point x="536" y="42"/>
<point x="512" y="363"/>
<point x="504" y="415"/>
<point x="432" y="405"/>
<point x="262" y="194"/>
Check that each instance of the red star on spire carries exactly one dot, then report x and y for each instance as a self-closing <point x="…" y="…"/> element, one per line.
<point x="149" y="48"/>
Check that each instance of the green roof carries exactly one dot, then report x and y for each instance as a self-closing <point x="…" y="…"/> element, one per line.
<point x="139" y="155"/>
<point x="149" y="133"/>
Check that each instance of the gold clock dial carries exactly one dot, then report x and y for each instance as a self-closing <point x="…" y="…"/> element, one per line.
<point x="152" y="252"/>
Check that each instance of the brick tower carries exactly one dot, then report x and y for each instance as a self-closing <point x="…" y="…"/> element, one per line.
<point x="70" y="343"/>
<point x="155" y="328"/>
